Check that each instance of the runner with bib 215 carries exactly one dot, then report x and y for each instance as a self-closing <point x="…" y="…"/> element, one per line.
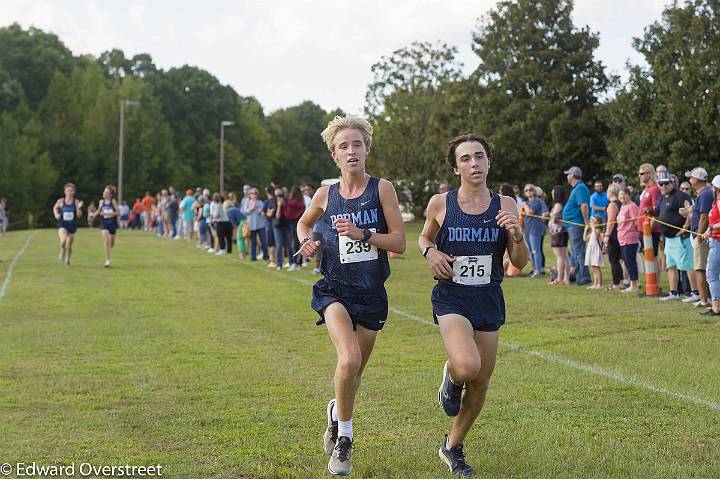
<point x="466" y="234"/>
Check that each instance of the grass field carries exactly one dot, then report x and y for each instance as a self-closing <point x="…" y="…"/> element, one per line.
<point x="215" y="369"/>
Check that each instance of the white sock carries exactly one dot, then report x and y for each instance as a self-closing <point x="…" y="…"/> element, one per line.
<point x="345" y="428"/>
<point x="333" y="413"/>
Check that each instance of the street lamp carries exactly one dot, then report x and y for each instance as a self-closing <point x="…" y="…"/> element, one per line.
<point x="123" y="104"/>
<point x="223" y="124"/>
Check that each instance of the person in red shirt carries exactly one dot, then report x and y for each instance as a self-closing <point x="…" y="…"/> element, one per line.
<point x="648" y="199"/>
<point x="712" y="234"/>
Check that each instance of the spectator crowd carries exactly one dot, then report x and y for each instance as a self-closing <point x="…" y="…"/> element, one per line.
<point x="586" y="229"/>
<point x="260" y="225"/>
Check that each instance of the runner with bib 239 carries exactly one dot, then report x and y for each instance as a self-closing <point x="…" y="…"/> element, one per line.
<point x="361" y="222"/>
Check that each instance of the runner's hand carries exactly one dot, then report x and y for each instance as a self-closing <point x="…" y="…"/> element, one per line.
<point x="509" y="221"/>
<point x="80" y="204"/>
<point x="345" y="227"/>
<point x="309" y="248"/>
<point x="440" y="264"/>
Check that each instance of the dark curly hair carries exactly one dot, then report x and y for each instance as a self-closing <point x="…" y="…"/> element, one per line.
<point x="453" y="144"/>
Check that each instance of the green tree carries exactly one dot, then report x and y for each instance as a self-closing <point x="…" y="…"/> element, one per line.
<point x="301" y="154"/>
<point x="27" y="173"/>
<point x="668" y="111"/>
<point x="81" y="130"/>
<point x="540" y="84"/>
<point x="194" y="103"/>
<point x="412" y="101"/>
<point x="31" y="57"/>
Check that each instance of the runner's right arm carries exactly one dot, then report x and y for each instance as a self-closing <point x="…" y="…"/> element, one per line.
<point x="56" y="210"/>
<point x="308" y="219"/>
<point x="440" y="263"/>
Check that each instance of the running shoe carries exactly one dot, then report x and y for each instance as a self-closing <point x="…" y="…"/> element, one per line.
<point x="449" y="394"/>
<point x="61" y="256"/>
<point x="454" y="458"/>
<point x="316" y="271"/>
<point x="692" y="298"/>
<point x="709" y="312"/>
<point x="210" y="250"/>
<point x="670" y="297"/>
<point x="331" y="432"/>
<point x="107" y="264"/>
<point x="340" y="461"/>
<point x="700" y="304"/>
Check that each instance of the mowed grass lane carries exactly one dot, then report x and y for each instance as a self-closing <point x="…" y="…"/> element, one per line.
<point x="216" y="369"/>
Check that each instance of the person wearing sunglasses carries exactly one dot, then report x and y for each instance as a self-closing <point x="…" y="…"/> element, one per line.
<point x="678" y="247"/>
<point x="698" y="178"/>
<point x="620" y="181"/>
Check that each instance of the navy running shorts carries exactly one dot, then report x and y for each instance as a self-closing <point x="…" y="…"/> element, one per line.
<point x="367" y="308"/>
<point x="483" y="307"/>
<point x="69" y="226"/>
<point x="109" y="226"/>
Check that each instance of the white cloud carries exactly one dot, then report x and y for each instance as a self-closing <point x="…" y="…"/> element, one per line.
<point x="289" y="50"/>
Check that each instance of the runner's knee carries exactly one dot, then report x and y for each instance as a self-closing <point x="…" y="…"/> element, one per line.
<point x="349" y="364"/>
<point x="465" y="370"/>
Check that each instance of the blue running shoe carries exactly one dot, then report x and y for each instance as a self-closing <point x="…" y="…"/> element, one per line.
<point x="454" y="457"/>
<point x="449" y="394"/>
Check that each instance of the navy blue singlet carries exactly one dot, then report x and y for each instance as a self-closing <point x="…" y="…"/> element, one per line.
<point x="110" y="223"/>
<point x="364" y="211"/>
<point x="68" y="216"/>
<point x="463" y="234"/>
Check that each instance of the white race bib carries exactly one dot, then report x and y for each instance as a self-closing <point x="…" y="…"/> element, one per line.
<point x="472" y="270"/>
<point x="355" y="251"/>
<point x="68" y="216"/>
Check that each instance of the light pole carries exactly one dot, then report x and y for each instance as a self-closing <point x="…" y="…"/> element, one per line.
<point x="123" y="103"/>
<point x="223" y="124"/>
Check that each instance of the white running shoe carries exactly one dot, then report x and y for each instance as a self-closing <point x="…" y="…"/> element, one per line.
<point x="316" y="271"/>
<point x="107" y="263"/>
<point x="210" y="250"/>
<point x="670" y="297"/>
<point x="220" y="253"/>
<point x="693" y="298"/>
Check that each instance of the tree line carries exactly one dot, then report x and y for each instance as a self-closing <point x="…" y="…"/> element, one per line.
<point x="540" y="95"/>
<point x="59" y="122"/>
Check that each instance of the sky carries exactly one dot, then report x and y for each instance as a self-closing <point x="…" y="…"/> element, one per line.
<point x="284" y="52"/>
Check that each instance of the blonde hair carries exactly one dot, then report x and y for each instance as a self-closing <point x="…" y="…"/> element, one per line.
<point x="650" y="168"/>
<point x="613" y="190"/>
<point x="344" y="123"/>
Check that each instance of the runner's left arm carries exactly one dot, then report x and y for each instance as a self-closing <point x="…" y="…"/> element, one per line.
<point x="516" y="246"/>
